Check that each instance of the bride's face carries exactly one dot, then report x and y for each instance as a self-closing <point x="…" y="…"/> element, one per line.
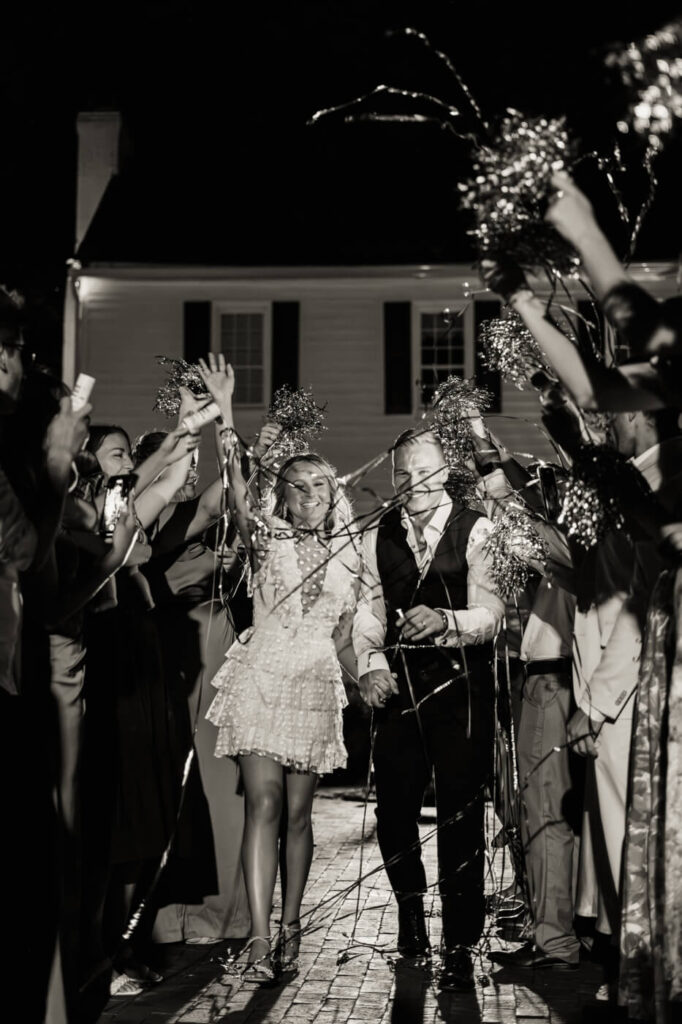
<point x="308" y="494"/>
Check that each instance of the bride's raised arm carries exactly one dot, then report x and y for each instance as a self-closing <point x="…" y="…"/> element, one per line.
<point x="218" y="376"/>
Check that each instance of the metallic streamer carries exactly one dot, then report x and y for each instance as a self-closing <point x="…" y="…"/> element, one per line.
<point x="510" y="188"/>
<point x="511" y="349"/>
<point x="180" y="374"/>
<point x="300" y="418"/>
<point x="512" y="544"/>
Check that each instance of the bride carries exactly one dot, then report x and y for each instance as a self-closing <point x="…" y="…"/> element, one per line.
<point x="280" y="693"/>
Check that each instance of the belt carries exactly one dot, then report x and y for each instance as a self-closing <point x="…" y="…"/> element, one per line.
<point x="547" y="666"/>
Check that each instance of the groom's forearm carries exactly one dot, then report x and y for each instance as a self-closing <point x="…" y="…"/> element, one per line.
<point x="471" y="626"/>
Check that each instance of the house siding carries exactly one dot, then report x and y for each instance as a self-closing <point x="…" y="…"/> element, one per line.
<point x="124" y="323"/>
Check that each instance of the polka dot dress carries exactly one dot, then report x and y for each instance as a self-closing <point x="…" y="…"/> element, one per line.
<point x="280" y="693"/>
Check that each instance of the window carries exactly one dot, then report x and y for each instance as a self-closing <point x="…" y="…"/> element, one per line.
<point x="443" y="345"/>
<point x="242" y="333"/>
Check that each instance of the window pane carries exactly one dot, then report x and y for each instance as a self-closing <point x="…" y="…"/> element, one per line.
<point x="441" y="350"/>
<point x="242" y="341"/>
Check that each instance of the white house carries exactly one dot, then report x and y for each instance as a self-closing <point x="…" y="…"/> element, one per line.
<point x="367" y="339"/>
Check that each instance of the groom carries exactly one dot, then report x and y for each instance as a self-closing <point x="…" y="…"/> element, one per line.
<point x="422" y="634"/>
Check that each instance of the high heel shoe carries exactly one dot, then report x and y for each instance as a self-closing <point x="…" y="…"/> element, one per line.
<point x="259" y="971"/>
<point x="288" y="947"/>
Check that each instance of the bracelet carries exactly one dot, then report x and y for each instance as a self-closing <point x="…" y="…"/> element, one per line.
<point x="446" y="624"/>
<point x="229" y="439"/>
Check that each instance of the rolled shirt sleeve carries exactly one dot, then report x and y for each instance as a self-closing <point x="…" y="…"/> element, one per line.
<point x="481" y="620"/>
<point x="369" y="623"/>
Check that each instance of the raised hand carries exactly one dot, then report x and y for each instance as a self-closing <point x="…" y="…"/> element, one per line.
<point x="218" y="376"/>
<point x="266" y="439"/>
<point x="177" y="444"/>
<point x="569" y="211"/>
<point x="67" y="431"/>
<point x="189" y="402"/>
<point x="502" y="276"/>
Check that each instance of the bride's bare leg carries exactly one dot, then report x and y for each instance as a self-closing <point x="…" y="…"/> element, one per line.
<point x="263" y="787"/>
<point x="299" y="841"/>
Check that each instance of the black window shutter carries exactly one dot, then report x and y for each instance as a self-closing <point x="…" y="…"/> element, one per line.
<point x="285" y="344"/>
<point x="196" y="330"/>
<point x="397" y="358"/>
<point x="486" y="309"/>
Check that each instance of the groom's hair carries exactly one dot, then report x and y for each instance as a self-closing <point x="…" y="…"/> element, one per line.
<point x="414" y="435"/>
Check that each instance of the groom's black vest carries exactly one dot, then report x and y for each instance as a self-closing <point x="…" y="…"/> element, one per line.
<point x="444" y="586"/>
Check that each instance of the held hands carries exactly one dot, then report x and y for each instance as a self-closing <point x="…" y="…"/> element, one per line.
<point x="569" y="211"/>
<point x="377" y="686"/>
<point x="218" y="376"/>
<point x="419" y="623"/>
<point x="582" y="733"/>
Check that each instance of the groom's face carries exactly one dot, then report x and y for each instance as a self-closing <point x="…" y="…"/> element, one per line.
<point x="419" y="475"/>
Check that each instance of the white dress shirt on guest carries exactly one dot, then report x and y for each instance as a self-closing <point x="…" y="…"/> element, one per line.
<point x="479" y="622"/>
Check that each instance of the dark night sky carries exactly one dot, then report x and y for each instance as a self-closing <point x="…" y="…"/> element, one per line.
<point x="219" y="161"/>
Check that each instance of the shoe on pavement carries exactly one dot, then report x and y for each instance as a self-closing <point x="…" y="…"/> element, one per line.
<point x="413" y="940"/>
<point x="457" y="974"/>
<point x="529" y="957"/>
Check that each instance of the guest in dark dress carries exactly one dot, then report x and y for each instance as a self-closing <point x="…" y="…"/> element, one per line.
<point x="133" y="762"/>
<point x="194" y="563"/>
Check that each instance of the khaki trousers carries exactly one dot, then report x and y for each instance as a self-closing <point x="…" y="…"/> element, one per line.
<point x="548" y="839"/>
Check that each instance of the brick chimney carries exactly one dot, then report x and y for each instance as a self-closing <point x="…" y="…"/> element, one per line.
<point x="98" y="159"/>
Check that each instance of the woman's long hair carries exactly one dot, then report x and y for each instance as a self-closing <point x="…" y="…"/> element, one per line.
<point x="340" y="515"/>
<point x="146" y="445"/>
<point x="91" y="476"/>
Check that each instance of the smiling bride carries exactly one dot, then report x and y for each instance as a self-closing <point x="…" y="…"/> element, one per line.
<point x="280" y="692"/>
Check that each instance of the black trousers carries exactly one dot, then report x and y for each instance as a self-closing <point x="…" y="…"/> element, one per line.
<point x="456" y="746"/>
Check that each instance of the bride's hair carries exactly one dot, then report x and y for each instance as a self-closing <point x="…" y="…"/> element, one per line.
<point x="340" y="515"/>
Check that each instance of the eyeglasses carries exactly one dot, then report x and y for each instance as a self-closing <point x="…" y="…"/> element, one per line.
<point x="19" y="345"/>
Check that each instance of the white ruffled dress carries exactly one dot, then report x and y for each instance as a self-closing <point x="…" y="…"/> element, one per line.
<point x="280" y="691"/>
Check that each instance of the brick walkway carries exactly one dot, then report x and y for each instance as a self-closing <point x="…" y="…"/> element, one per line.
<point x="368" y="987"/>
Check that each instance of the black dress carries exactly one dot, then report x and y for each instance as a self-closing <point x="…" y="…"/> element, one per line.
<point x="195" y="632"/>
<point x="130" y="726"/>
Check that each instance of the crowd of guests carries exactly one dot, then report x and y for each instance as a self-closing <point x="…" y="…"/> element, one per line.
<point x="145" y="806"/>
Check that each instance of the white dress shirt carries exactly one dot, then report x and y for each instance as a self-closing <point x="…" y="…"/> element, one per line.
<point x="479" y="622"/>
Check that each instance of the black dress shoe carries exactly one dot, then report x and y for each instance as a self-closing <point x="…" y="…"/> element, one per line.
<point x="457" y="974"/>
<point x="412" y="937"/>
<point x="529" y="957"/>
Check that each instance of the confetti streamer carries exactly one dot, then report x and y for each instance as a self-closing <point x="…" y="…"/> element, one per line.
<point x="651" y="71"/>
<point x="180" y="374"/>
<point x="510" y="348"/>
<point x="380" y="91"/>
<point x="590" y="507"/>
<point x="512" y="543"/>
<point x="300" y="418"/>
<point x="510" y="189"/>
<point x="455" y="403"/>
